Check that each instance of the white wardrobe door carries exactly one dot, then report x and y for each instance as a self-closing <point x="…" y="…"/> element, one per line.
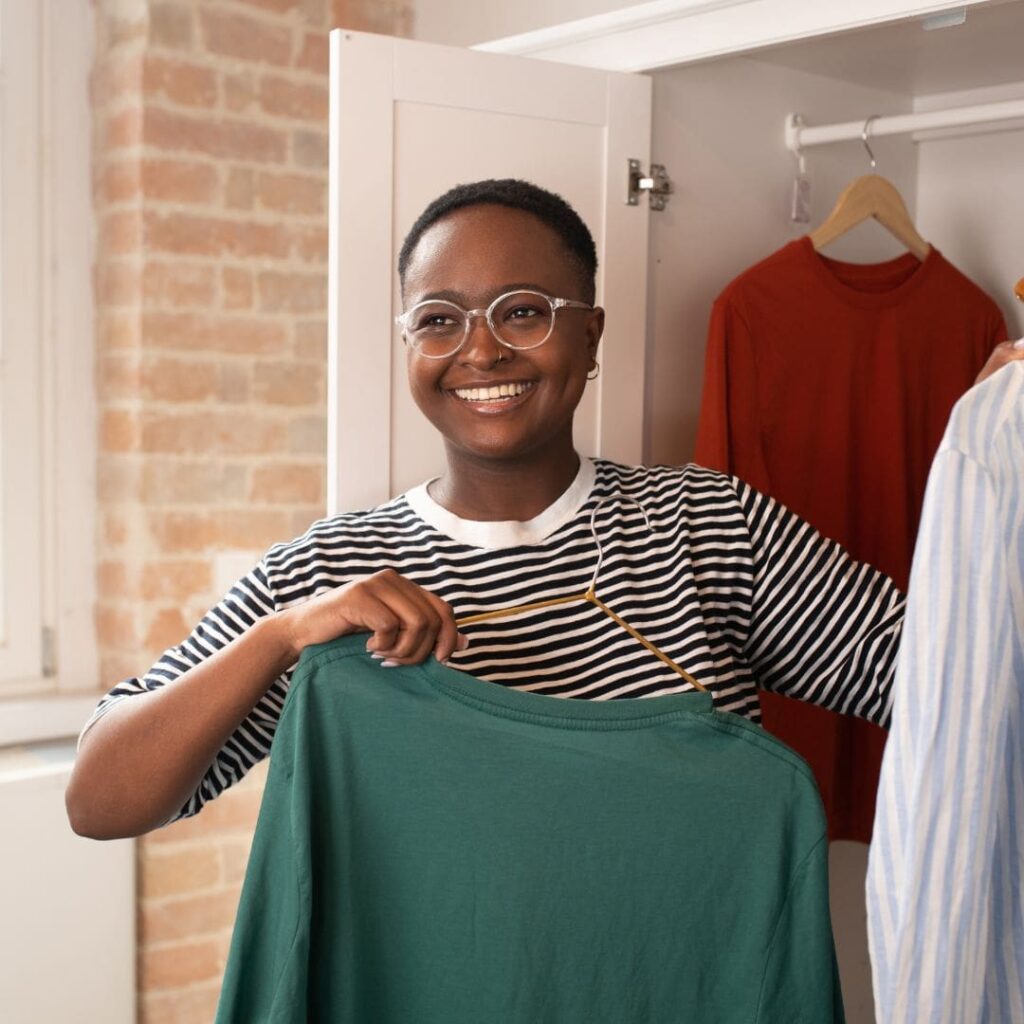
<point x="408" y="121"/>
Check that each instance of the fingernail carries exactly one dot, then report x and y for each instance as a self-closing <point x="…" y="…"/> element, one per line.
<point x="389" y="664"/>
<point x="1019" y="344"/>
<point x="377" y="657"/>
<point x="463" y="642"/>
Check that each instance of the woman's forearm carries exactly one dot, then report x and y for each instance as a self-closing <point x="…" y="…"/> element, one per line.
<point x="141" y="761"/>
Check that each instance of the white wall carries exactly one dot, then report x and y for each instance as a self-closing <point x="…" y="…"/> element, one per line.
<point x="718" y="127"/>
<point x="466" y="22"/>
<point x="970" y="204"/>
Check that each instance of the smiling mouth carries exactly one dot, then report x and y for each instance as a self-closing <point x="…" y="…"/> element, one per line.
<point x="497" y="393"/>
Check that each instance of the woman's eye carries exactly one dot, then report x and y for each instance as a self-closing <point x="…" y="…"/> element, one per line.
<point x="522" y="312"/>
<point x="433" y="321"/>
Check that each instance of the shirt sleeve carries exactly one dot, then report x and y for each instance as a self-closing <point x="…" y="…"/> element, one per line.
<point x="248" y="600"/>
<point x="823" y="627"/>
<point x="930" y="873"/>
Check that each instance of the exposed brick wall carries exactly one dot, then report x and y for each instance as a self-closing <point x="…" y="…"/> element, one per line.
<point x="210" y="191"/>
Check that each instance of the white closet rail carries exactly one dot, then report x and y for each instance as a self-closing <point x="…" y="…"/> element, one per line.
<point x="801" y="136"/>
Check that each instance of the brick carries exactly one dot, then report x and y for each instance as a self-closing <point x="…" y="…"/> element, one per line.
<point x="189" y="234"/>
<point x="292" y="193"/>
<point x="237" y="528"/>
<point x="180" y="181"/>
<point x="170" y="25"/>
<point x="120" y="28"/>
<point x="119" y="430"/>
<point x="165" y="379"/>
<point x="180" y="964"/>
<point x="277" y="6"/>
<point x="314" y="12"/>
<point x="123" y="129"/>
<point x="307" y="435"/>
<point x="116" y="329"/>
<point x="235" y="859"/>
<point x="168" y="627"/>
<point x="311" y="244"/>
<point x="115" y="625"/>
<point x="237" y="288"/>
<point x="203" y="482"/>
<point x="118" y="479"/>
<point x="212" y="432"/>
<point x="175" y="579"/>
<point x="314" y="53"/>
<point x="231" y="334"/>
<point x="303" y="518"/>
<point x="114" y="526"/>
<point x="310" y="149"/>
<point x="286" y="483"/>
<point x="178" y="284"/>
<point x="222" y="138"/>
<point x="299" y="100"/>
<point x="293" y="293"/>
<point x="117" y="76"/>
<point x="180" y="1006"/>
<point x="190" y="85"/>
<point x="234" y="382"/>
<point x="288" y="383"/>
<point x="190" y="917"/>
<point x="239" y="192"/>
<point x="117" y="182"/>
<point x="117" y="666"/>
<point x="118" y="283"/>
<point x="117" y="376"/>
<point x="116" y="578"/>
<point x="120" y="233"/>
<point x="245" y="38"/>
<point x="311" y="340"/>
<point x="239" y="91"/>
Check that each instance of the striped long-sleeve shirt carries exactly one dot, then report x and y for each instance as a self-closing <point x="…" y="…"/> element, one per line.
<point x="945" y="896"/>
<point x="732" y="586"/>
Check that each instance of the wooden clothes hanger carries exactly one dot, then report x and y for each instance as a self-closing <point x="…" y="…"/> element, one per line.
<point x="871" y="195"/>
<point x="591" y="597"/>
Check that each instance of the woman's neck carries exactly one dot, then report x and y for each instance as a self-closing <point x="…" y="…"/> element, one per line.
<point x="489" y="491"/>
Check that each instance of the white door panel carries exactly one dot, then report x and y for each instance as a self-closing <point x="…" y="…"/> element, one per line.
<point x="408" y="121"/>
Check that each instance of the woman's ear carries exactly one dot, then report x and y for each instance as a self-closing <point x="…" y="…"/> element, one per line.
<point x="595" y="328"/>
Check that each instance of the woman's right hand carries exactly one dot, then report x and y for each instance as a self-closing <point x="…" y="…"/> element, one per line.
<point x="407" y="623"/>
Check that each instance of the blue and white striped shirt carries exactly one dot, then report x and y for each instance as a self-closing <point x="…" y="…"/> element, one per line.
<point x="945" y="903"/>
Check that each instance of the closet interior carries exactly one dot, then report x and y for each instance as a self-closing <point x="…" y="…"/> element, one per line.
<point x="719" y="129"/>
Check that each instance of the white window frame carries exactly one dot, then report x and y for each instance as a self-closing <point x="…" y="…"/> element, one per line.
<point x="49" y="658"/>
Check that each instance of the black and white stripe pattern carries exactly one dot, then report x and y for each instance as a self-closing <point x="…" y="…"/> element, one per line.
<point x="728" y="583"/>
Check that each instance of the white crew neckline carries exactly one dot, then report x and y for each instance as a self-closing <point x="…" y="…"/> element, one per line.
<point x="506" y="533"/>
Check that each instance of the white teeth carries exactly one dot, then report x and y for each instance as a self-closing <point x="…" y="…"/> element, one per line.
<point x="495" y="393"/>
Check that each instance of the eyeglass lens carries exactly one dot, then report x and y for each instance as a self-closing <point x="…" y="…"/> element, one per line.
<point x="520" y="320"/>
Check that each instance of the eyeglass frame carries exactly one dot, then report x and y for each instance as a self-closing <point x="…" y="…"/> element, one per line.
<point x="470" y="314"/>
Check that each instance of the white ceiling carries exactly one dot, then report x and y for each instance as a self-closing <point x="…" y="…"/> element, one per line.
<point x="987" y="50"/>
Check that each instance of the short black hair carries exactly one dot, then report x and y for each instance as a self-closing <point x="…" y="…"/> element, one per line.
<point x="547" y="207"/>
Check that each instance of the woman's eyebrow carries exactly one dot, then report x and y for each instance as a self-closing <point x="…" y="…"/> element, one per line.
<point x="463" y="300"/>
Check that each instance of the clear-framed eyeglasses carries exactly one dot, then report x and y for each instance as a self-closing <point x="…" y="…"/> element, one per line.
<point x="519" y="320"/>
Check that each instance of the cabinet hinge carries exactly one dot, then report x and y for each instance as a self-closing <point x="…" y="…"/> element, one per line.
<point x="657" y="185"/>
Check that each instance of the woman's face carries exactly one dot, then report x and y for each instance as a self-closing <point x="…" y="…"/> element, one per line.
<point x="470" y="257"/>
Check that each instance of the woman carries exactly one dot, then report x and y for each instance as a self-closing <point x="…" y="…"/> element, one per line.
<point x="502" y="334"/>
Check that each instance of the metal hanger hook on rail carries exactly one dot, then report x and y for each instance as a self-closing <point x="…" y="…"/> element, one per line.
<point x="592" y="589"/>
<point x="864" y="138"/>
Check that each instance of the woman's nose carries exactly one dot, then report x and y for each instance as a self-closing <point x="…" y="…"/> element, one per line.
<point x="482" y="348"/>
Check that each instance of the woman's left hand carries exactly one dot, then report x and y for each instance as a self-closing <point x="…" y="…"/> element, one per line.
<point x="1007" y="352"/>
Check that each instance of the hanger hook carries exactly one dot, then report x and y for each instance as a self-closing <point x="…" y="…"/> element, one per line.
<point x="597" y="540"/>
<point x="864" y="138"/>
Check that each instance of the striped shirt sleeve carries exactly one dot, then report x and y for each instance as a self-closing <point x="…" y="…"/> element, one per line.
<point x="248" y="600"/>
<point x="823" y="628"/>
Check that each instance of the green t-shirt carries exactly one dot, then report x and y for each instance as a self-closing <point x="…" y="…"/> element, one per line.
<point x="436" y="849"/>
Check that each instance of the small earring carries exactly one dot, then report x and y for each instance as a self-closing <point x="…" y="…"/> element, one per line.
<point x="595" y="371"/>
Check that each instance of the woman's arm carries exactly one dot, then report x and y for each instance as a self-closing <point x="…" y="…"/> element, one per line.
<point x="150" y="754"/>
